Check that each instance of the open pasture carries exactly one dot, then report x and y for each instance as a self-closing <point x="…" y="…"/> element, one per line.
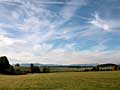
<point x="106" y="80"/>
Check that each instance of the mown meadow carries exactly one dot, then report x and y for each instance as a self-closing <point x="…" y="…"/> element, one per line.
<point x="102" y="80"/>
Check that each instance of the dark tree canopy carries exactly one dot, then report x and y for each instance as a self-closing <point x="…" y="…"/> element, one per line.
<point x="17" y="65"/>
<point x="46" y="70"/>
<point x="4" y="63"/>
<point x="34" y="69"/>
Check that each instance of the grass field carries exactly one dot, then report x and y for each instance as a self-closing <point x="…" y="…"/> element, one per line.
<point x="62" y="81"/>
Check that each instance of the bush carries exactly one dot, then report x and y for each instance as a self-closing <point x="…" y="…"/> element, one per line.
<point x="19" y="72"/>
<point x="96" y="68"/>
<point x="46" y="70"/>
<point x="35" y="69"/>
<point x="12" y="70"/>
<point x="17" y="65"/>
<point x="86" y="70"/>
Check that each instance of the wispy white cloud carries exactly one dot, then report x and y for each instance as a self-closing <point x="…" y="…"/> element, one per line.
<point x="108" y="24"/>
<point x="69" y="10"/>
<point x="100" y="23"/>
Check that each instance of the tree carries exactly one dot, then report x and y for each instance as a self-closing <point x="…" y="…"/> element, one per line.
<point x="11" y="70"/>
<point x="4" y="63"/>
<point x="31" y="67"/>
<point x="34" y="69"/>
<point x="96" y="68"/>
<point x="17" y="65"/>
<point x="115" y="67"/>
<point x="46" y="70"/>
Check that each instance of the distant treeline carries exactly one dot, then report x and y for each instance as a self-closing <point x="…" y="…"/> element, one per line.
<point x="6" y="68"/>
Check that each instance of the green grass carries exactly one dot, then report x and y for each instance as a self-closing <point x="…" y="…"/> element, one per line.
<point x="62" y="81"/>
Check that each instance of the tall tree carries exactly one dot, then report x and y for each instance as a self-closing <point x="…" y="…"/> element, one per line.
<point x="31" y="67"/>
<point x="4" y="63"/>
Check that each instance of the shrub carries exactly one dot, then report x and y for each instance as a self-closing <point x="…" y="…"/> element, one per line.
<point x="46" y="70"/>
<point x="17" y="65"/>
<point x="35" y="69"/>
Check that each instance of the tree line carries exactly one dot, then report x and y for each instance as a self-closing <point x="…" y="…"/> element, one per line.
<point x="6" y="68"/>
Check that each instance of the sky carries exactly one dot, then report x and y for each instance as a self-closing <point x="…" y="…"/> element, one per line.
<point x="60" y="31"/>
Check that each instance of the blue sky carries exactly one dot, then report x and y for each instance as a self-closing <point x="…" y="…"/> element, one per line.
<point x="60" y="31"/>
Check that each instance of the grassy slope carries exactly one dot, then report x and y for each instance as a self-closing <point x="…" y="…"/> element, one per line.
<point x="62" y="81"/>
